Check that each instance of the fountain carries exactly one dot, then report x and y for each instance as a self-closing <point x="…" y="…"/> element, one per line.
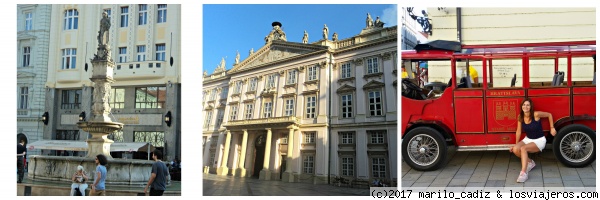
<point x="100" y="125"/>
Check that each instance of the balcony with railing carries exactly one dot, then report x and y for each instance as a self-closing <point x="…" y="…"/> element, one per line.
<point x="271" y="122"/>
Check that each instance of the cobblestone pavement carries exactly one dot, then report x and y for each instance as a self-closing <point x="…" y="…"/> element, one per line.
<point x="482" y="169"/>
<point x="214" y="185"/>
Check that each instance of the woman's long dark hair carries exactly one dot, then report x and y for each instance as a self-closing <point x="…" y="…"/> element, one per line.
<point x="522" y="114"/>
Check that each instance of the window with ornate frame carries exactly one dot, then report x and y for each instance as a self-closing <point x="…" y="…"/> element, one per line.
<point x="347" y="105"/>
<point x="313" y="72"/>
<point x="208" y="118"/>
<point x="253" y="83"/>
<point x="71" y="99"/>
<point x="268" y="109"/>
<point x="116" y="136"/>
<point x="375" y="103"/>
<point x="220" y="114"/>
<point x="26" y="56"/>
<point x="291" y="77"/>
<point x="249" y="110"/>
<point x="238" y="87"/>
<point x="28" y="21"/>
<point x="289" y="107"/>
<point x="372" y="65"/>
<point x="311" y="106"/>
<point x="346" y="70"/>
<point x="271" y="81"/>
<point x="233" y="112"/>
<point x="24" y="98"/>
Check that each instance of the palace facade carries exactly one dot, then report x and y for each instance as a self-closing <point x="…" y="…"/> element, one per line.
<point x="306" y="112"/>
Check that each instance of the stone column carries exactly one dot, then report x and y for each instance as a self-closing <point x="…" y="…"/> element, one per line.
<point x="265" y="173"/>
<point x="241" y="171"/>
<point x="223" y="170"/>
<point x="287" y="175"/>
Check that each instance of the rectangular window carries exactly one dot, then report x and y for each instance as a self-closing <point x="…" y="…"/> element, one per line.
<point x="71" y="99"/>
<point x="291" y="78"/>
<point x="372" y="66"/>
<point x="347" y="166"/>
<point x="309" y="138"/>
<point x="378" y="167"/>
<point x="233" y="113"/>
<point x="249" y="108"/>
<point x="124" y="16"/>
<point x="309" y="164"/>
<point x="377" y="137"/>
<point x="212" y="156"/>
<point x="346" y="70"/>
<point x="347" y="106"/>
<point x="253" y="83"/>
<point x="271" y="81"/>
<point x="268" y="109"/>
<point x="238" y="87"/>
<point x="108" y="12"/>
<point x="347" y="137"/>
<point x="162" y="13"/>
<point x="143" y="14"/>
<point x="122" y="54"/>
<point x="24" y="96"/>
<point x="289" y="107"/>
<point x="220" y="114"/>
<point x="67" y="135"/>
<point x="208" y="118"/>
<point x="313" y="72"/>
<point x="205" y="95"/>
<point x="213" y="94"/>
<point x="157" y="139"/>
<point x="26" y="56"/>
<point x="71" y="19"/>
<point x="284" y="139"/>
<point x="311" y="106"/>
<point x="160" y="52"/>
<point x="141" y="53"/>
<point x="375" y="106"/>
<point x="69" y="58"/>
<point x="150" y="97"/>
<point x="224" y="93"/>
<point x="28" y="21"/>
<point x="116" y="136"/>
<point x="117" y="98"/>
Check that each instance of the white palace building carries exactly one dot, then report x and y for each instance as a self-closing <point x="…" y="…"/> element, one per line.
<point x="306" y="112"/>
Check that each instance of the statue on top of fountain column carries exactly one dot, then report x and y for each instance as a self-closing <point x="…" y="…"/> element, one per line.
<point x="103" y="47"/>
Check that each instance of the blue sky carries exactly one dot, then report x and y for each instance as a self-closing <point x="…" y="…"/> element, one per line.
<point x="231" y="28"/>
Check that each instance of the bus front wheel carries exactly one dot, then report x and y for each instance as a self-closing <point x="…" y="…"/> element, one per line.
<point x="575" y="145"/>
<point x="424" y="149"/>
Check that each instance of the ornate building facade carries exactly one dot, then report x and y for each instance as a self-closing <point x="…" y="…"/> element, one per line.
<point x="33" y="37"/>
<point x="145" y="42"/>
<point x="306" y="112"/>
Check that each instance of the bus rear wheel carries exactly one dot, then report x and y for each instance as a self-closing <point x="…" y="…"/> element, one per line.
<point x="575" y="145"/>
<point x="424" y="149"/>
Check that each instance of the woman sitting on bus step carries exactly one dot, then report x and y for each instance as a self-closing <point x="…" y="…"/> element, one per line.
<point x="535" y="141"/>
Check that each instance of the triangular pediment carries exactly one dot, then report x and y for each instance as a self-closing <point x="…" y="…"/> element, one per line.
<point x="346" y="88"/>
<point x="274" y="52"/>
<point x="373" y="84"/>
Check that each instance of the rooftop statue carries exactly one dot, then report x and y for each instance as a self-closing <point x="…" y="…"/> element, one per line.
<point x="305" y="38"/>
<point x="325" y="32"/>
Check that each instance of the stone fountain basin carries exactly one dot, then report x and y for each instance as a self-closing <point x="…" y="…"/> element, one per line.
<point x="61" y="168"/>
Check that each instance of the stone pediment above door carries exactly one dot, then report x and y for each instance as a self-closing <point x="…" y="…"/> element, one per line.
<point x="273" y="52"/>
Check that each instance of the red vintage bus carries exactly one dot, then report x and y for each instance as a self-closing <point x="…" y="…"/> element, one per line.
<point x="483" y="116"/>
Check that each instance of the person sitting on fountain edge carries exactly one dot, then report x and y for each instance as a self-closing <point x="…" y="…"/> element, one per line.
<point x="98" y="188"/>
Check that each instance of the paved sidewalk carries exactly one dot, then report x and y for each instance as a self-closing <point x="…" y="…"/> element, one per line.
<point x="214" y="185"/>
<point x="484" y="169"/>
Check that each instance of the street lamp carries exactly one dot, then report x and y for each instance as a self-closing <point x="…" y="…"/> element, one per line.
<point x="45" y="118"/>
<point x="82" y="116"/>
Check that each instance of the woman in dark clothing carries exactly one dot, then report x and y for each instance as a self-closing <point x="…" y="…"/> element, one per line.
<point x="530" y="122"/>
